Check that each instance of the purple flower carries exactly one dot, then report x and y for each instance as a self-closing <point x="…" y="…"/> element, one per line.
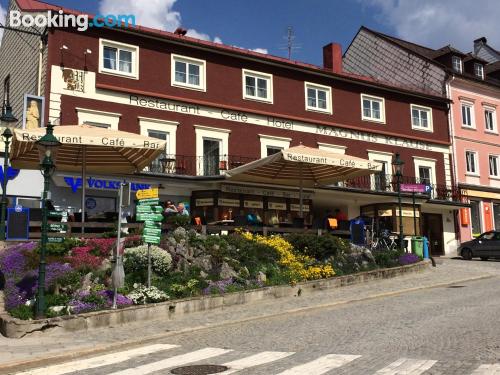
<point x="121" y="300"/>
<point x="13" y="260"/>
<point x="78" y="306"/>
<point x="14" y="296"/>
<point x="219" y="286"/>
<point x="408" y="258"/>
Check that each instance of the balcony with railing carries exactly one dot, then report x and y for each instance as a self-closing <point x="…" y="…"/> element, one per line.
<point x="209" y="166"/>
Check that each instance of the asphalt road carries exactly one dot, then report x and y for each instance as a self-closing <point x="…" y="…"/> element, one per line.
<point x="448" y="330"/>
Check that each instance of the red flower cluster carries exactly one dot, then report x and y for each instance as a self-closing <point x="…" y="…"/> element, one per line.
<point x="81" y="257"/>
<point x="102" y="247"/>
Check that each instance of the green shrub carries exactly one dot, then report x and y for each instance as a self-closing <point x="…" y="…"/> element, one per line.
<point x="23" y="312"/>
<point x="319" y="247"/>
<point x="56" y="300"/>
<point x="387" y="258"/>
<point x="60" y="249"/>
<point x="178" y="220"/>
<point x="251" y="254"/>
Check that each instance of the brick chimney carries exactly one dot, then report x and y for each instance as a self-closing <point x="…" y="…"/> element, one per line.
<point x="332" y="57"/>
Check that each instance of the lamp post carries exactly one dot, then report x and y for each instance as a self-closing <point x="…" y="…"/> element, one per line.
<point x="397" y="168"/>
<point x="47" y="149"/>
<point x="8" y="118"/>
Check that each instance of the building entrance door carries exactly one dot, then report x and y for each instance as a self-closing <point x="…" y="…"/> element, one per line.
<point x="433" y="230"/>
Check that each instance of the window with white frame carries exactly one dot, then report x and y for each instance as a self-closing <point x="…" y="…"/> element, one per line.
<point x="493" y="162"/>
<point x="424" y="175"/>
<point x="373" y="108"/>
<point x="471" y="162"/>
<point x="456" y="63"/>
<point x="188" y="72"/>
<point x="98" y="119"/>
<point x="257" y="86"/>
<point x="490" y="120"/>
<point x="421" y="117"/>
<point x="468" y="115"/>
<point x="381" y="181"/>
<point x="270" y="145"/>
<point x="425" y="170"/>
<point x="212" y="146"/>
<point x="164" y="130"/>
<point x="119" y="58"/>
<point x="318" y="97"/>
<point x="336" y="149"/>
<point x="479" y="70"/>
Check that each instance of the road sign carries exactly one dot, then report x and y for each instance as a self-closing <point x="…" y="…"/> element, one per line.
<point x="148" y="202"/>
<point x="149" y="217"/>
<point x="152" y="224"/>
<point x="147" y="193"/>
<point x="151" y="239"/>
<point x="56" y="213"/>
<point x="152" y="232"/>
<point x="416" y="188"/>
<point x="57" y="227"/>
<point x="144" y="209"/>
<point x="55" y="239"/>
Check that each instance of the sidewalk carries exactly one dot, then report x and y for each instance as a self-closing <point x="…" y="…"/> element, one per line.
<point x="55" y="343"/>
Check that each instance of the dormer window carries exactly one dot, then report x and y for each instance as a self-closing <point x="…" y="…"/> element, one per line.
<point x="479" y="70"/>
<point x="456" y="63"/>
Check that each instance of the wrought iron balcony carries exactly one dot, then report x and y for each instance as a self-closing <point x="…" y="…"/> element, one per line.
<point x="216" y="165"/>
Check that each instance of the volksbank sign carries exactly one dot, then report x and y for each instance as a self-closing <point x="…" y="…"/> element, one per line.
<point x="75" y="183"/>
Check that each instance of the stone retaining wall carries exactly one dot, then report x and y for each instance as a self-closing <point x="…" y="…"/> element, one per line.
<point x="16" y="328"/>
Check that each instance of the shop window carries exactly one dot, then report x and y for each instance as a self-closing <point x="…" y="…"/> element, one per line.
<point x="119" y="58"/>
<point x="318" y="97"/>
<point x="489" y="120"/>
<point x="257" y="86"/>
<point x="475" y="218"/>
<point x="188" y="72"/>
<point x="421" y="118"/>
<point x="211" y="157"/>
<point x="471" y="162"/>
<point x="493" y="161"/>
<point x="496" y="215"/>
<point x="372" y="108"/>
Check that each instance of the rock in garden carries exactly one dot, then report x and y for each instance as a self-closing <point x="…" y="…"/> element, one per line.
<point x="57" y="309"/>
<point x="261" y="276"/>
<point x="204" y="262"/>
<point x="87" y="281"/>
<point x="226" y="271"/>
<point x="203" y="274"/>
<point x="244" y="272"/>
<point x="180" y="234"/>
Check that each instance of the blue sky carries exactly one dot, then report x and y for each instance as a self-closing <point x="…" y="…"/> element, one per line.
<point x="262" y="24"/>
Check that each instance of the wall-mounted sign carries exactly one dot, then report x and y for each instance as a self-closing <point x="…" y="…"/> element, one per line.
<point x="250" y="190"/>
<point x="228" y="202"/>
<point x="75" y="183"/>
<point x="200" y="202"/>
<point x="253" y="204"/>
<point x="296" y="207"/>
<point x="416" y="188"/>
<point x="384" y="212"/>
<point x="74" y="79"/>
<point x="150" y="193"/>
<point x="408" y="213"/>
<point x="276" y="206"/>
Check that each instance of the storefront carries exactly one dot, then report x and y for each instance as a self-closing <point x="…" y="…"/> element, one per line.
<point x="483" y="214"/>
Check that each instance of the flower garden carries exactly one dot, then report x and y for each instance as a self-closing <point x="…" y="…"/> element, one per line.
<point x="186" y="264"/>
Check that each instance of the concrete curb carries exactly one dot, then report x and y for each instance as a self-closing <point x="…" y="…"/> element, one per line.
<point x="9" y="367"/>
<point x="16" y="328"/>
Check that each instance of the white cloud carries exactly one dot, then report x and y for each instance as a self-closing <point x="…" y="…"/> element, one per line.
<point x="3" y="14"/>
<point x="438" y="23"/>
<point x="158" y="14"/>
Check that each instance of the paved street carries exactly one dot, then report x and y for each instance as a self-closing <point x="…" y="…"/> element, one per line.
<point x="440" y="330"/>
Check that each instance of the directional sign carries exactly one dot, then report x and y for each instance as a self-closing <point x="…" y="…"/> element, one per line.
<point x="152" y="224"/>
<point x="148" y="202"/>
<point x="58" y="227"/>
<point x="151" y="239"/>
<point x="56" y="213"/>
<point x="147" y="194"/>
<point x="152" y="232"/>
<point x="144" y="209"/>
<point x="149" y="217"/>
<point x="55" y="239"/>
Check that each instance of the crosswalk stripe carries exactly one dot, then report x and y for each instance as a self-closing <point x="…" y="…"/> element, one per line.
<point x="254" y="360"/>
<point x="407" y="366"/>
<point x="103" y="360"/>
<point x="487" y="370"/>
<point x="321" y="365"/>
<point x="178" y="360"/>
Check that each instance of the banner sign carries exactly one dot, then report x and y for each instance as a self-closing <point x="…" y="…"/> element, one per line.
<point x="75" y="183"/>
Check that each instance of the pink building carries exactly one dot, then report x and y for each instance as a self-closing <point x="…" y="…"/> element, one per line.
<point x="476" y="143"/>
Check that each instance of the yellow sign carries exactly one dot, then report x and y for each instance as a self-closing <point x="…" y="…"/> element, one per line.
<point x="147" y="193"/>
<point x="482" y="194"/>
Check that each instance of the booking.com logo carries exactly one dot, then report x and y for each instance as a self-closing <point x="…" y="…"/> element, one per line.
<point x="59" y="19"/>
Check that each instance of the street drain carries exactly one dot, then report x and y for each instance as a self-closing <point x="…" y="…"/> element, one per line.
<point x="199" y="370"/>
<point x="456" y="286"/>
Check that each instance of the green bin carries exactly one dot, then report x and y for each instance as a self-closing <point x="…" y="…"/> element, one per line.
<point x="417" y="246"/>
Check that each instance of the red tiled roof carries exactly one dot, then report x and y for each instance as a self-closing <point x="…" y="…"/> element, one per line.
<point x="36" y="5"/>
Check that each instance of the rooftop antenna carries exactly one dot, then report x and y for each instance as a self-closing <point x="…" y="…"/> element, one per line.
<point x="290" y="45"/>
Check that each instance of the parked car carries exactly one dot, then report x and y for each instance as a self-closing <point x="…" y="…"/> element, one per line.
<point x="487" y="245"/>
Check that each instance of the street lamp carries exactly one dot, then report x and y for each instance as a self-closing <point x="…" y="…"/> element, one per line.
<point x="47" y="149"/>
<point x="6" y="136"/>
<point x="397" y="170"/>
<point x="8" y="118"/>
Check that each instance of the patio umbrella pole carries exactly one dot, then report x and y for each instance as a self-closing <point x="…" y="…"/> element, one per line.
<point x="84" y="183"/>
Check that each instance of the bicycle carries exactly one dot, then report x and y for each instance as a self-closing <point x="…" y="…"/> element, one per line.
<point x="385" y="242"/>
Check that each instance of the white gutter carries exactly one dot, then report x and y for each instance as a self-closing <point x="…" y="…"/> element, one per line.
<point x="453" y="148"/>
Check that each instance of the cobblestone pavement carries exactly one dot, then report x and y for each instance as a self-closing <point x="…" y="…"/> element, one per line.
<point x="440" y="330"/>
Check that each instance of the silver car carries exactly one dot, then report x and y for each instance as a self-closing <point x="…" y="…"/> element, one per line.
<point x="487" y="245"/>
